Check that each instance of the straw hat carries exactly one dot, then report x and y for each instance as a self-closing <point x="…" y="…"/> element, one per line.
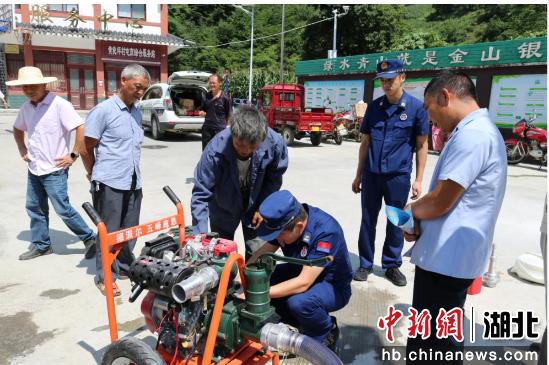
<point x="30" y="76"/>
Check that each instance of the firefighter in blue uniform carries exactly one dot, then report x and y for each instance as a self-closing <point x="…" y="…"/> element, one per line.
<point x="305" y="295"/>
<point x="394" y="125"/>
<point x="238" y="169"/>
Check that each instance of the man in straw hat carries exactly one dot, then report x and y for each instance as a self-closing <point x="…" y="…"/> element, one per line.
<point x="49" y="120"/>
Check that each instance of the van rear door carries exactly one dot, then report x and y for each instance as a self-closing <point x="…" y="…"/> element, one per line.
<point x="191" y="78"/>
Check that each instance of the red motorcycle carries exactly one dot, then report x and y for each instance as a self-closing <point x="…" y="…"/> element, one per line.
<point x="531" y="141"/>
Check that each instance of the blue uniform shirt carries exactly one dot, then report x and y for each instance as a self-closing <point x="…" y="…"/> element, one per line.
<point x="120" y="135"/>
<point x="393" y="129"/>
<point x="216" y="190"/>
<point x="323" y="236"/>
<point x="459" y="243"/>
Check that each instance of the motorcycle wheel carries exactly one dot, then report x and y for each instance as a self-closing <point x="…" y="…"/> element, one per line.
<point x="516" y="152"/>
<point x="338" y="139"/>
<point x="358" y="136"/>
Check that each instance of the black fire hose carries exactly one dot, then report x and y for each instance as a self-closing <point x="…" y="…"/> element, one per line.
<point x="280" y="337"/>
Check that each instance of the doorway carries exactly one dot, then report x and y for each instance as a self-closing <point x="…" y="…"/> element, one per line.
<point x="113" y="74"/>
<point x="82" y="87"/>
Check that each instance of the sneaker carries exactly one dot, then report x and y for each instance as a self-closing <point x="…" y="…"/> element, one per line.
<point x="331" y="339"/>
<point x="90" y="248"/>
<point x="34" y="253"/>
<point x="395" y="276"/>
<point x="362" y="274"/>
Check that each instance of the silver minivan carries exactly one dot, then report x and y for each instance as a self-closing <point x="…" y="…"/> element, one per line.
<point x="174" y="106"/>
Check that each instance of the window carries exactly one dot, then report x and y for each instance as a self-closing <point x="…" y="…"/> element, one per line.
<point x="266" y="99"/>
<point x="134" y="11"/>
<point x="287" y="96"/>
<point x="14" y="63"/>
<point x="52" y="64"/>
<point x="154" y="93"/>
<point x="80" y="59"/>
<point x="62" y="8"/>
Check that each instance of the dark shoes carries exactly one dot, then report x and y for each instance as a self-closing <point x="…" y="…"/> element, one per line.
<point x="34" y="253"/>
<point x="90" y="248"/>
<point x="331" y="340"/>
<point x="362" y="273"/>
<point x="395" y="276"/>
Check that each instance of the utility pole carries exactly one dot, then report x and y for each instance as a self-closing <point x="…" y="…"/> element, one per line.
<point x="282" y="48"/>
<point x="250" y="13"/>
<point x="333" y="52"/>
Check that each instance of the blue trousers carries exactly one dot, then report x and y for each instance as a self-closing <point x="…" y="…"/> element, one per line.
<point x="310" y="310"/>
<point x="54" y="187"/>
<point x="394" y="190"/>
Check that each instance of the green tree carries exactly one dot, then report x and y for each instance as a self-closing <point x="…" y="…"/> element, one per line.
<point x="365" y="29"/>
<point x="512" y="21"/>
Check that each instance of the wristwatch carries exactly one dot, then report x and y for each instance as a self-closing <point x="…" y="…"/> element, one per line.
<point x="74" y="155"/>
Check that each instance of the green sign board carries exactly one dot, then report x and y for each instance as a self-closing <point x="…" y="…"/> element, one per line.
<point x="514" y="97"/>
<point x="518" y="51"/>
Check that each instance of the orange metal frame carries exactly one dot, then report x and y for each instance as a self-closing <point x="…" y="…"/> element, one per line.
<point x="111" y="244"/>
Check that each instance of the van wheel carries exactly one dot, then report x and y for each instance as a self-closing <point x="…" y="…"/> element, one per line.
<point x="288" y="134"/>
<point x="156" y="132"/>
<point x="316" y="138"/>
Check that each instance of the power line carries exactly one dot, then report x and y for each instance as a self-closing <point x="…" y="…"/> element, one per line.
<point x="263" y="37"/>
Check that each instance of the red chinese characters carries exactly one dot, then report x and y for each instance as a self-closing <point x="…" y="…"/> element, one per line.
<point x="448" y="323"/>
<point x="389" y="322"/>
<point x="419" y="324"/>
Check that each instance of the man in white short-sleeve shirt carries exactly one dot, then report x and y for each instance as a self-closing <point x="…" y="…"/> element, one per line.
<point x="455" y="221"/>
<point x="48" y="120"/>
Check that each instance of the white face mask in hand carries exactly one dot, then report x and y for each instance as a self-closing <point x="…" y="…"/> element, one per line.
<point x="400" y="218"/>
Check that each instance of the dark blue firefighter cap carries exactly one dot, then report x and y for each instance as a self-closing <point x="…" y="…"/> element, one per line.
<point x="388" y="69"/>
<point x="279" y="209"/>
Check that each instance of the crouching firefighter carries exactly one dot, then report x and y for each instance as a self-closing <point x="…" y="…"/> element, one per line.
<point x="304" y="296"/>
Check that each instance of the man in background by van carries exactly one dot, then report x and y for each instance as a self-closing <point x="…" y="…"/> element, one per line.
<point x="216" y="109"/>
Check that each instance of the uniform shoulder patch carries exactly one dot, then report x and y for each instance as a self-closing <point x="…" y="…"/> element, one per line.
<point x="323" y="246"/>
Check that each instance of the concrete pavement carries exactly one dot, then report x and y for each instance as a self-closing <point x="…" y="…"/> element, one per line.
<point x="51" y="312"/>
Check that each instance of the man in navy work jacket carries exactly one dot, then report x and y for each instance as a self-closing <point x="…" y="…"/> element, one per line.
<point x="305" y="295"/>
<point x="394" y="126"/>
<point x="240" y="167"/>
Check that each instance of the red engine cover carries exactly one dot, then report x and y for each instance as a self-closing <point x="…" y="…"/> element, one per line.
<point x="222" y="245"/>
<point x="225" y="246"/>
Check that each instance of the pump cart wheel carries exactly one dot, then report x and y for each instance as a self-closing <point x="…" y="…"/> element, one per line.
<point x="130" y="350"/>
